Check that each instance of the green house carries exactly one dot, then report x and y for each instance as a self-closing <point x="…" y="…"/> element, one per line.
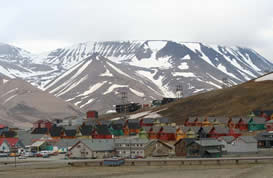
<point x="143" y="134"/>
<point x="116" y="128"/>
<point x="256" y="123"/>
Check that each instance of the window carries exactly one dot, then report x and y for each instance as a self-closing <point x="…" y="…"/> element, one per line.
<point x="86" y="153"/>
<point x="78" y="146"/>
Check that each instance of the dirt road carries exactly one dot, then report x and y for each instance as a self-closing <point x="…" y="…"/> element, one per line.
<point x="187" y="171"/>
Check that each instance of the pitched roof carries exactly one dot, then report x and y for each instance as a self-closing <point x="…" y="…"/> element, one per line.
<point x="227" y="139"/>
<point x="221" y="129"/>
<point x="117" y="126"/>
<point x="133" y="125"/>
<point x="208" y="142"/>
<point x="148" y="120"/>
<point x="102" y="130"/>
<point x="86" y="130"/>
<point x="65" y="143"/>
<point x="8" y="134"/>
<point x="132" y="141"/>
<point x="2" y="126"/>
<point x="186" y="140"/>
<point x="248" y="139"/>
<point x="119" y="121"/>
<point x="265" y="136"/>
<point x="99" y="146"/>
<point x="164" y="120"/>
<point x="11" y="141"/>
<point x="27" y="138"/>
<point x="56" y="131"/>
<point x="258" y="120"/>
<point x="156" y="129"/>
<point x="169" y="129"/>
<point x="146" y="128"/>
<point x="40" y="131"/>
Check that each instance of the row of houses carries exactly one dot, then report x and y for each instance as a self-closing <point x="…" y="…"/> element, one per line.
<point x="242" y="123"/>
<point x="212" y="147"/>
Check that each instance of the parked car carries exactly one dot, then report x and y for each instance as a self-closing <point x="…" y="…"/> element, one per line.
<point x="4" y="154"/>
<point x="22" y="157"/>
<point x="29" y="154"/>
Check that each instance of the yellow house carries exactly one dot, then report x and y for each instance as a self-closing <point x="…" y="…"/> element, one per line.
<point x="180" y="134"/>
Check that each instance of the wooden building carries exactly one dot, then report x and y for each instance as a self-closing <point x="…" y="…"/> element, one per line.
<point x="181" y="146"/>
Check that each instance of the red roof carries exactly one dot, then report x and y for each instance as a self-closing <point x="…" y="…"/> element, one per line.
<point x="12" y="141"/>
<point x="2" y="126"/>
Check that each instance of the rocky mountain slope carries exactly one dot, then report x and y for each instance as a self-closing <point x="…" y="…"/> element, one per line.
<point x="21" y="104"/>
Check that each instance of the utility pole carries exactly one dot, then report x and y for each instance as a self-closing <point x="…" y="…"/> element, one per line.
<point x="179" y="91"/>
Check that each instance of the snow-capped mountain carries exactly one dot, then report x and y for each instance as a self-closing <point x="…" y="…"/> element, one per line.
<point x="90" y="74"/>
<point x="18" y="63"/>
<point x="97" y="83"/>
<point x="162" y="65"/>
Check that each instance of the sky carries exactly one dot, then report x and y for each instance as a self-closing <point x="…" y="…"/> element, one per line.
<point x="39" y="26"/>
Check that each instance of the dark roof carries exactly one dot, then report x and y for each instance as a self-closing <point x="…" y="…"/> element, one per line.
<point x="268" y="113"/>
<point x="86" y="130"/>
<point x="102" y="130"/>
<point x="169" y="129"/>
<point x="117" y="126"/>
<point x="258" y="120"/>
<point x="133" y="125"/>
<point x="133" y="121"/>
<point x="221" y="129"/>
<point x="148" y="120"/>
<point x="186" y="140"/>
<point x="164" y="120"/>
<point x="8" y="134"/>
<point x="89" y="122"/>
<point x="70" y="133"/>
<point x="40" y="131"/>
<point x="56" y="131"/>
<point x="264" y="136"/>
<point x="105" y="122"/>
<point x="120" y="121"/>
<point x="206" y="129"/>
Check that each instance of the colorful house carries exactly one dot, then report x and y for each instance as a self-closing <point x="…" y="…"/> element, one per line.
<point x="3" y="128"/>
<point x="167" y="133"/>
<point x="269" y="125"/>
<point x="133" y="126"/>
<point x="56" y="132"/>
<point x="154" y="132"/>
<point x="181" y="146"/>
<point x="192" y="122"/>
<point x="146" y="122"/>
<point x="143" y="134"/>
<point x="218" y="131"/>
<point x="70" y="132"/>
<point x="242" y="124"/>
<point x="86" y="131"/>
<point x="180" y="134"/>
<point x="101" y="132"/>
<point x="116" y="128"/>
<point x="7" y="144"/>
<point x="256" y="123"/>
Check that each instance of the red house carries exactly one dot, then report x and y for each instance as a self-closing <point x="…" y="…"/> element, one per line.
<point x="192" y="122"/>
<point x="154" y="132"/>
<point x="92" y="114"/>
<point x="146" y="122"/>
<point x="101" y="132"/>
<point x="167" y="133"/>
<point x="269" y="125"/>
<point x="242" y="124"/>
<point x="218" y="131"/>
<point x="42" y="124"/>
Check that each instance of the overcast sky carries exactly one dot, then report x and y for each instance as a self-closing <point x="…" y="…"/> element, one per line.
<point x="42" y="25"/>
